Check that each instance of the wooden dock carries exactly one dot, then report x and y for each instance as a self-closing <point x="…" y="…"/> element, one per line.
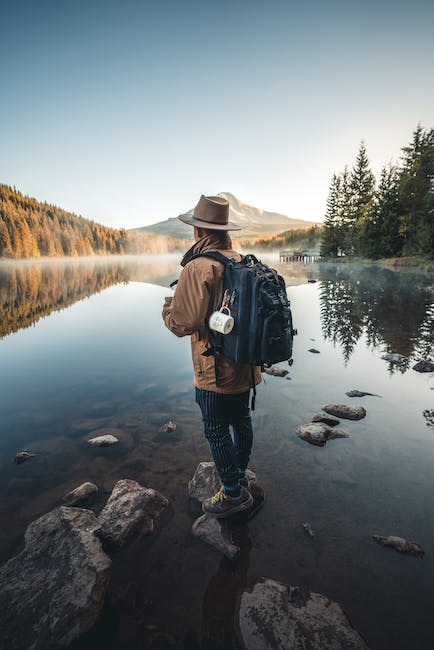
<point x="298" y="256"/>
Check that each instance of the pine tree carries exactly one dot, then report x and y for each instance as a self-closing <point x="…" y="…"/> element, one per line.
<point x="362" y="186"/>
<point x="346" y="220"/>
<point x="331" y="233"/>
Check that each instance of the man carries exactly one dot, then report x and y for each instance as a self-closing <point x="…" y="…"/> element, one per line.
<point x="198" y="294"/>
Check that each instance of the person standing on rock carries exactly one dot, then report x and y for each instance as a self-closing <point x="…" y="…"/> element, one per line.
<point x="225" y="402"/>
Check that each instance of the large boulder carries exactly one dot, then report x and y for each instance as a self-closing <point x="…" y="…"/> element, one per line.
<point x="345" y="411"/>
<point x="273" y="616"/>
<point x="130" y="509"/>
<point x="53" y="591"/>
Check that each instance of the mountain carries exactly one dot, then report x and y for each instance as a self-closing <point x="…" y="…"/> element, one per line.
<point x="253" y="221"/>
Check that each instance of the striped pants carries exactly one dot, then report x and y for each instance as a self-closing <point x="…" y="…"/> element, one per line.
<point x="231" y="456"/>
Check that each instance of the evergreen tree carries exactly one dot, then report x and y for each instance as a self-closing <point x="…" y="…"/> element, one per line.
<point x="331" y="235"/>
<point x="416" y="189"/>
<point x="346" y="219"/>
<point x="362" y="185"/>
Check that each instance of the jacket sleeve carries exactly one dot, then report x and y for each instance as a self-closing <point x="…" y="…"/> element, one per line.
<point x="185" y="313"/>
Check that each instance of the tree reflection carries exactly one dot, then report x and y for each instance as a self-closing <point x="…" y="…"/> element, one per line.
<point x="29" y="292"/>
<point x="395" y="312"/>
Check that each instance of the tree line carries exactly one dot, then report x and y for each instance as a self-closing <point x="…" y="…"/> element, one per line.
<point x="308" y="238"/>
<point x="393" y="217"/>
<point x="30" y="228"/>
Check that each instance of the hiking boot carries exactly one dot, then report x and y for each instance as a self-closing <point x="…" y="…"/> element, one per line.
<point x="223" y="505"/>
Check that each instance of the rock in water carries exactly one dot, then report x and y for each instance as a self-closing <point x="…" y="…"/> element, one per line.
<point x="396" y="359"/>
<point x="22" y="456"/>
<point x="317" y="433"/>
<point x="275" y="371"/>
<point x="327" y="419"/>
<point x="169" y="427"/>
<point x="400" y="544"/>
<point x="314" y="351"/>
<point x="275" y="615"/>
<point x="80" y="493"/>
<point x="428" y="414"/>
<point x="130" y="509"/>
<point x="216" y="533"/>
<point x="309" y="530"/>
<point x="345" y="411"/>
<point x="103" y="441"/>
<point x="424" y="366"/>
<point x="360" y="393"/>
<point x="53" y="591"/>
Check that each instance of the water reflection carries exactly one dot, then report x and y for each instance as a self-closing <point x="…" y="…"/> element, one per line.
<point x="395" y="312"/>
<point x="30" y="291"/>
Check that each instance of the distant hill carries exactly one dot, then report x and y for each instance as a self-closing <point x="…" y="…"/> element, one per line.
<point x="256" y="223"/>
<point x="30" y="228"/>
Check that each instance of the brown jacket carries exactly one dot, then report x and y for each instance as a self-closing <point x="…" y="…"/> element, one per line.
<point x="198" y="293"/>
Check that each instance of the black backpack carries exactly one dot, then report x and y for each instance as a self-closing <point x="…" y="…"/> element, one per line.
<point x="256" y="296"/>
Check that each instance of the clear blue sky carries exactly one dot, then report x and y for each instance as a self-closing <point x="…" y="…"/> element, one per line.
<point x="127" y="111"/>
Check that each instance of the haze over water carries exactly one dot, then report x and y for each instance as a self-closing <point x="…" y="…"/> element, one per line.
<point x="84" y="347"/>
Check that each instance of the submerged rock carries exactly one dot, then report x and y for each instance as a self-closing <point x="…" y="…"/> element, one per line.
<point x="424" y="366"/>
<point x="317" y="433"/>
<point x="428" y="414"/>
<point x="314" y="351"/>
<point x="103" y="441"/>
<point x="275" y="371"/>
<point x="169" y="427"/>
<point x="360" y="393"/>
<point x="275" y="615"/>
<point x="308" y="528"/>
<point x="53" y="591"/>
<point x="327" y="419"/>
<point x="130" y="509"/>
<point x="396" y="359"/>
<point x="80" y="493"/>
<point x="22" y="456"/>
<point x="216" y="533"/>
<point x="345" y="411"/>
<point x="400" y="544"/>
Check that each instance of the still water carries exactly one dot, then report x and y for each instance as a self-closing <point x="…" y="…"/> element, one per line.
<point x="83" y="346"/>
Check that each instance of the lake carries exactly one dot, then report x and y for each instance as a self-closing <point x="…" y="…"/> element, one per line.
<point x="83" y="346"/>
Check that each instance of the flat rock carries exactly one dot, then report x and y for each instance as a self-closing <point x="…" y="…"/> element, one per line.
<point x="345" y="411"/>
<point x="314" y="351"/>
<point x="80" y="493"/>
<point x="396" y="359"/>
<point x="400" y="544"/>
<point x="22" y="456"/>
<point x="53" y="591"/>
<point x="424" y="366"/>
<point x="103" y="441"/>
<point x="360" y="393"/>
<point x="130" y="509"/>
<point x="275" y="371"/>
<point x="275" y="616"/>
<point x="215" y="532"/>
<point x="327" y="419"/>
<point x="317" y="433"/>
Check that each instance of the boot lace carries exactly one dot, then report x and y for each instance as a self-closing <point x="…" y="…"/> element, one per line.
<point x="219" y="496"/>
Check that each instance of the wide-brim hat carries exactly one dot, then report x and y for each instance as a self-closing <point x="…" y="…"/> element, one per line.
<point x="212" y="213"/>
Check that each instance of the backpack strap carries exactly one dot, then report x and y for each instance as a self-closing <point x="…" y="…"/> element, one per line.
<point x="214" y="255"/>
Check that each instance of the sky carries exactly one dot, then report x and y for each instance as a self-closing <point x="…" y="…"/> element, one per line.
<point x="126" y="112"/>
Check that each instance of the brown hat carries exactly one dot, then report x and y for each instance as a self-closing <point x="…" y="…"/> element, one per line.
<point x="212" y="213"/>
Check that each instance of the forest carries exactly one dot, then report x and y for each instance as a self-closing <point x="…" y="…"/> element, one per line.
<point x="391" y="217"/>
<point x="31" y="229"/>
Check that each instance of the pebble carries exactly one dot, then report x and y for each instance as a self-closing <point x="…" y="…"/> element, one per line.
<point x="275" y="371"/>
<point x="314" y="351"/>
<point x="169" y="427"/>
<point x="424" y="366"/>
<point x="309" y="530"/>
<point x="360" y="393"/>
<point x="397" y="359"/>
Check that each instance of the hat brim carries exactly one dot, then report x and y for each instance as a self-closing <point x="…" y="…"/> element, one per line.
<point x="193" y="221"/>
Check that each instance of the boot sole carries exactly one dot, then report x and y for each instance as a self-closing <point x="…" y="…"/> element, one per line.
<point x="245" y="505"/>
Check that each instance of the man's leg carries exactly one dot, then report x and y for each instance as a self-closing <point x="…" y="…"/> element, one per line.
<point x="232" y="497"/>
<point x="216" y="419"/>
<point x="243" y="430"/>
